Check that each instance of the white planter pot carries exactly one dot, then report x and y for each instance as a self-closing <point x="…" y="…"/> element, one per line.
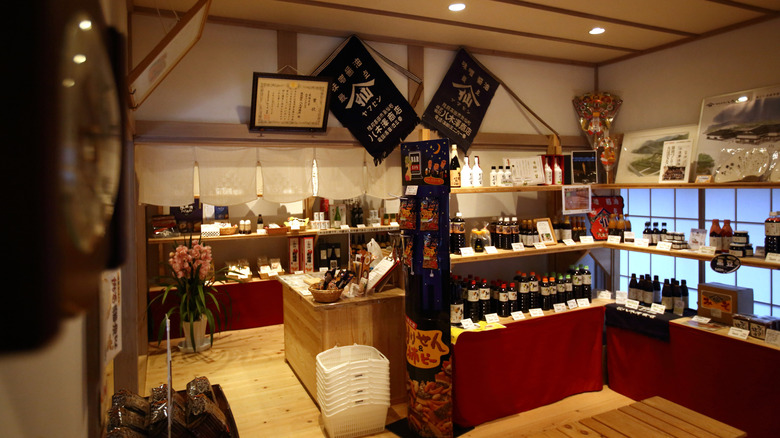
<point x="201" y="341"/>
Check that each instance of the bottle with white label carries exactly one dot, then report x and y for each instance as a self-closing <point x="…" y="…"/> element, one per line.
<point x="548" y="173"/>
<point x="465" y="173"/>
<point x="454" y="167"/>
<point x="456" y="300"/>
<point x="632" y="287"/>
<point x="586" y="283"/>
<point x="506" y="178"/>
<point x="493" y="176"/>
<point x="557" y="173"/>
<point x="715" y="239"/>
<point x="666" y="296"/>
<point x="476" y="173"/>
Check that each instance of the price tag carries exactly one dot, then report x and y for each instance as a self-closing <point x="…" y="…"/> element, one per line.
<point x="262" y="232"/>
<point x="467" y="251"/>
<point x="664" y="246"/>
<point x="518" y="246"/>
<point x="739" y="333"/>
<point x="468" y="324"/>
<point x="491" y="318"/>
<point x="411" y="190"/>
<point x="540" y="245"/>
<point x="605" y="295"/>
<point x="613" y="239"/>
<point x="272" y="273"/>
<point x="536" y="312"/>
<point x="583" y="302"/>
<point x="657" y="308"/>
<point x="361" y="225"/>
<point x="621" y="297"/>
<point x="642" y="243"/>
<point x="559" y="307"/>
<point x="491" y="250"/>
<point x="773" y="257"/>
<point x="569" y="242"/>
<point x="295" y="225"/>
<point x="323" y="269"/>
<point x="586" y="239"/>
<point x="773" y="337"/>
<point x="345" y="227"/>
<point x="628" y="236"/>
<point x="700" y="319"/>
<point x="632" y="304"/>
<point x="298" y="272"/>
<point x="709" y="250"/>
<point x="517" y="315"/>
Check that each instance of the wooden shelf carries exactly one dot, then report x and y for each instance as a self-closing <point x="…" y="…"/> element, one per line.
<point x="303" y="233"/>
<point x="527" y="252"/>
<point x="688" y="254"/>
<point x="557" y="188"/>
<point x="505" y="189"/>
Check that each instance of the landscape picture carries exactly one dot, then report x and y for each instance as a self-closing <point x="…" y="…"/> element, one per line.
<point x="641" y="152"/>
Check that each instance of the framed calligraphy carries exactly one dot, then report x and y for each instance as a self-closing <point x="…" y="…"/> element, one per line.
<point x="289" y="103"/>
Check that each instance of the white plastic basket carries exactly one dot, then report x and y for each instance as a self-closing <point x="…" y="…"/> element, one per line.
<point x="331" y="401"/>
<point x="339" y="358"/>
<point x="356" y="421"/>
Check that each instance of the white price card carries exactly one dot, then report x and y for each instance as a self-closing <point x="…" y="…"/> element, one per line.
<point x="491" y="318"/>
<point x="613" y="239"/>
<point x="605" y="295"/>
<point x="518" y="246"/>
<point x="540" y="245"/>
<point x="468" y="324"/>
<point x="739" y="333"/>
<point x="345" y="227"/>
<point x="322" y="269"/>
<point x="394" y="224"/>
<point x="491" y="250"/>
<point x="411" y="190"/>
<point x="642" y="243"/>
<point x="773" y="337"/>
<point x="628" y="236"/>
<point x="559" y="307"/>
<point x="517" y="315"/>
<point x="361" y="225"/>
<point x="272" y="273"/>
<point x="632" y="304"/>
<point x="621" y="297"/>
<point x="572" y="304"/>
<point x="657" y="308"/>
<point x="298" y="272"/>
<point x="773" y="257"/>
<point x="569" y="242"/>
<point x="700" y="319"/>
<point x="664" y="246"/>
<point x="709" y="250"/>
<point x="586" y="239"/>
<point x="295" y="225"/>
<point x="583" y="302"/>
<point x="536" y="312"/>
<point x="262" y="232"/>
<point x="467" y="251"/>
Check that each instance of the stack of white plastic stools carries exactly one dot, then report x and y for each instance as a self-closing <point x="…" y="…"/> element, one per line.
<point x="353" y="389"/>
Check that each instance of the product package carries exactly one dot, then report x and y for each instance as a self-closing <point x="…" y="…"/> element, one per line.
<point x="429" y="214"/>
<point x="407" y="215"/>
<point x="430" y="252"/>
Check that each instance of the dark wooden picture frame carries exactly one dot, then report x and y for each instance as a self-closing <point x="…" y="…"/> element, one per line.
<point x="289" y="103"/>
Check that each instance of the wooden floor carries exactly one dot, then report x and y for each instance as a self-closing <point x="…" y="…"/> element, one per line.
<point x="268" y="400"/>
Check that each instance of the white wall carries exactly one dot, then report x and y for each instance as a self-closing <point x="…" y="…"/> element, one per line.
<point x="666" y="88"/>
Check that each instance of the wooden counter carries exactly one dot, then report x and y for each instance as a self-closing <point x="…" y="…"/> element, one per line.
<point x="311" y="327"/>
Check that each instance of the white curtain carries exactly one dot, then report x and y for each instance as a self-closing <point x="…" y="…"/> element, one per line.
<point x="286" y="173"/>
<point x="340" y="172"/>
<point x="227" y="176"/>
<point x="384" y="181"/>
<point x="165" y="174"/>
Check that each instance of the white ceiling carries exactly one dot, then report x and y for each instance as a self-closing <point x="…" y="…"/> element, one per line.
<point x="549" y="30"/>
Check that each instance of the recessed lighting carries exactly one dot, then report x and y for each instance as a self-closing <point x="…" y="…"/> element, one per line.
<point x="742" y="99"/>
<point x="85" y="25"/>
<point x="79" y="59"/>
<point x="597" y="31"/>
<point x="456" y="7"/>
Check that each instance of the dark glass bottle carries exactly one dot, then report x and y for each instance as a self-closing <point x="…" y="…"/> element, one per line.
<point x="656" y="234"/>
<point x="456" y="301"/>
<point x="503" y="301"/>
<point x="666" y="296"/>
<point x="632" y="287"/>
<point x="533" y="292"/>
<point x="577" y="282"/>
<point x="569" y="289"/>
<point x="648" y="233"/>
<point x="587" y="289"/>
<point x="494" y="296"/>
<point x="647" y="291"/>
<point x="524" y="295"/>
<point x="454" y="168"/>
<point x="677" y="298"/>
<point x="656" y="290"/>
<point x="512" y="297"/>
<point x="560" y="285"/>
<point x="664" y="232"/>
<point x="457" y="233"/>
<point x="484" y="299"/>
<point x="472" y="301"/>
<point x="545" y="293"/>
<point x="684" y="293"/>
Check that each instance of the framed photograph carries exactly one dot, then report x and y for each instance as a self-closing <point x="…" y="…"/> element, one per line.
<point x="676" y="161"/>
<point x="576" y="199"/>
<point x="584" y="169"/>
<point x="289" y="103"/>
<point x="545" y="229"/>
<point x="642" y="151"/>
<point x="164" y="57"/>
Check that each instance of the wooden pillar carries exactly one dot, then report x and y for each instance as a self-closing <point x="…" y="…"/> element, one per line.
<point x="416" y="64"/>
<point x="287" y="52"/>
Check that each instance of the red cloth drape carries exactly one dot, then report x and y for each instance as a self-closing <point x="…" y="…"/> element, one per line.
<point x="528" y="364"/>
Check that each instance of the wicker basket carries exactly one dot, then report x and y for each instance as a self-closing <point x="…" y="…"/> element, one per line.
<point x="325" y="296"/>
<point x="228" y="231"/>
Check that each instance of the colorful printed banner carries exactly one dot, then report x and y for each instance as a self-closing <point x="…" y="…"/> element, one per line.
<point x="459" y="105"/>
<point x="365" y="100"/>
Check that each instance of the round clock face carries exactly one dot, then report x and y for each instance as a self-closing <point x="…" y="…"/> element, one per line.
<point x="89" y="134"/>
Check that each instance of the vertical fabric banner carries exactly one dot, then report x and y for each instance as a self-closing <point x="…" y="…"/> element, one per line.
<point x="365" y="100"/>
<point x="459" y="105"/>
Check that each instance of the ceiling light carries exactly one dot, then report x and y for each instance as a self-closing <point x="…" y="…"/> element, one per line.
<point x="79" y="59"/>
<point x="85" y="25"/>
<point x="597" y="31"/>
<point x="456" y="7"/>
<point x="742" y="99"/>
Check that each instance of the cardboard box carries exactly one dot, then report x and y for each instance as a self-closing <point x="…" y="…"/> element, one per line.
<point x="720" y="302"/>
<point x="294" y="246"/>
<point x="307" y="246"/>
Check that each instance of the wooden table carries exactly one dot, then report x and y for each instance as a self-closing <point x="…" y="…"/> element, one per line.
<point x="653" y="417"/>
<point x="311" y="328"/>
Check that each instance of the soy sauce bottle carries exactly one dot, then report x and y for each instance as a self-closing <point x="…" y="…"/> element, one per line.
<point x="503" y="301"/>
<point x="657" y="290"/>
<point x="512" y="297"/>
<point x="684" y="293"/>
<point x="560" y="285"/>
<point x="666" y="296"/>
<point x="533" y="291"/>
<point x="569" y="288"/>
<point x="577" y="281"/>
<point x="484" y="299"/>
<point x="545" y="292"/>
<point x="472" y="301"/>
<point x="524" y="296"/>
<point x="632" y="287"/>
<point x="586" y="283"/>
<point x="456" y="301"/>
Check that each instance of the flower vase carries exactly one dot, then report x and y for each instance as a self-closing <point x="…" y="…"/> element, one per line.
<point x="201" y="341"/>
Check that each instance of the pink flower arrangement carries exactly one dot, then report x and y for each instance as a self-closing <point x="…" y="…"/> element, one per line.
<point x="186" y="261"/>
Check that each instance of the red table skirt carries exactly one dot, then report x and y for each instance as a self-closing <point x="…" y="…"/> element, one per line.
<point x="528" y="364"/>
<point x="254" y="304"/>
<point x="733" y="381"/>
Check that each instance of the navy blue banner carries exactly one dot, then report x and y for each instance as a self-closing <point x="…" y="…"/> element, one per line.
<point x="365" y="100"/>
<point x="459" y="105"/>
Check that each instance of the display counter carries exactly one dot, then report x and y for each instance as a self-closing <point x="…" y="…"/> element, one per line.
<point x="311" y="327"/>
<point x="732" y="380"/>
<point x="530" y="363"/>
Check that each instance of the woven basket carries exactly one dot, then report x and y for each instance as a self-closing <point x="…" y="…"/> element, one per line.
<point x="325" y="296"/>
<point x="228" y="231"/>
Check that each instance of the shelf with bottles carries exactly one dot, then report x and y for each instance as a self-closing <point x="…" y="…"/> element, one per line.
<point x="288" y="233"/>
<point x="553" y="188"/>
